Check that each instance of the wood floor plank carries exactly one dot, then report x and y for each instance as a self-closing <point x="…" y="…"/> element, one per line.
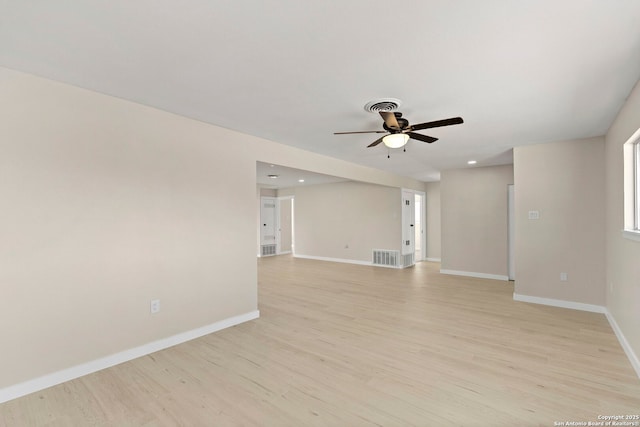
<point x="349" y="345"/>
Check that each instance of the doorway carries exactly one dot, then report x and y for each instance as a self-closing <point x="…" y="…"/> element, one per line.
<point x="276" y="225"/>
<point x="413" y="222"/>
<point x="511" y="215"/>
<point x="420" y="237"/>
<point x="268" y="226"/>
<point x="285" y="236"/>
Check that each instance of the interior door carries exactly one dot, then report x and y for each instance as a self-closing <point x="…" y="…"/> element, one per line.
<point x="408" y="223"/>
<point x="420" y="237"/>
<point x="268" y="225"/>
<point x="286" y="226"/>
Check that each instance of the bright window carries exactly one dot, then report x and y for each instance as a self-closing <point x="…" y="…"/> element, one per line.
<point x="632" y="187"/>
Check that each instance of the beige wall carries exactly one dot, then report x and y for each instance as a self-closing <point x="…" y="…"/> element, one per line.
<point x="280" y="154"/>
<point x="108" y="204"/>
<point x="286" y="192"/>
<point x="622" y="255"/>
<point x="564" y="181"/>
<point x="474" y="219"/>
<point x="267" y="192"/>
<point x="346" y="220"/>
<point x="433" y="226"/>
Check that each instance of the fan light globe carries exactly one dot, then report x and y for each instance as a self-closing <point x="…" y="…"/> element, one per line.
<point x="395" y="140"/>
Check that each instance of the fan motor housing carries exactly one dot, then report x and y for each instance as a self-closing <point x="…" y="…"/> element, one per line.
<point x="403" y="123"/>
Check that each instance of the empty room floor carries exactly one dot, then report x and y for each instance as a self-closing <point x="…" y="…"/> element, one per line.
<point x="349" y="345"/>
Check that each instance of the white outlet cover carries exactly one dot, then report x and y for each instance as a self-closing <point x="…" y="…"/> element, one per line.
<point x="155" y="306"/>
<point x="534" y="214"/>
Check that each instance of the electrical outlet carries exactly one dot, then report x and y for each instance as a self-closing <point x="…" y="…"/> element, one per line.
<point x="155" y="306"/>
<point x="563" y="277"/>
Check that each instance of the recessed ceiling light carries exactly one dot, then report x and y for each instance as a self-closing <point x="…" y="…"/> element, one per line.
<point x="301" y="180"/>
<point x="272" y="176"/>
<point x="472" y="162"/>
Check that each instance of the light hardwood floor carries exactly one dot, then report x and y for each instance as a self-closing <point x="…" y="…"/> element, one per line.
<point x="348" y="345"/>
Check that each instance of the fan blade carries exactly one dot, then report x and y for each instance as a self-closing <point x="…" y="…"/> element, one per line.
<point x="423" y="138"/>
<point x="360" y="131"/>
<point x="376" y="142"/>
<point x="390" y="119"/>
<point x="438" y="123"/>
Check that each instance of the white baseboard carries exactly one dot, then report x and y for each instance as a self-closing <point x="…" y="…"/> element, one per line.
<point x="473" y="274"/>
<point x="55" y="378"/>
<point x="433" y="259"/>
<point x="633" y="358"/>
<point x="346" y="261"/>
<point x="283" y="253"/>
<point x="560" y="303"/>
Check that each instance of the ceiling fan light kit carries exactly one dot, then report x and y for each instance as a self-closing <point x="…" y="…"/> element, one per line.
<point x="395" y="140"/>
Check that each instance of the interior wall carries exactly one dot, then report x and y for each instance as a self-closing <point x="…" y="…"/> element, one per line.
<point x="267" y="192"/>
<point x="346" y="220"/>
<point x="433" y="226"/>
<point x="108" y="204"/>
<point x="475" y="220"/>
<point x="564" y="182"/>
<point x="622" y="255"/>
<point x="287" y="192"/>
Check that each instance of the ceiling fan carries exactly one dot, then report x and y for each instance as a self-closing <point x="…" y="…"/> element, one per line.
<point x="398" y="130"/>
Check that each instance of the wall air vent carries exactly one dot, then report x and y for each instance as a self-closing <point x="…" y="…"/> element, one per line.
<point x="384" y="104"/>
<point x="268" y="250"/>
<point x="386" y="258"/>
<point x="408" y="260"/>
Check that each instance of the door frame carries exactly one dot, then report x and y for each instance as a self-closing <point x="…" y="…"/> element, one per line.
<point x="423" y="225"/>
<point x="423" y="220"/>
<point x="511" y="231"/>
<point x="279" y="224"/>
<point x="276" y="219"/>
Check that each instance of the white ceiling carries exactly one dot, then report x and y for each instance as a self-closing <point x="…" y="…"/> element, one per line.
<point x="286" y="177"/>
<point x="294" y="72"/>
